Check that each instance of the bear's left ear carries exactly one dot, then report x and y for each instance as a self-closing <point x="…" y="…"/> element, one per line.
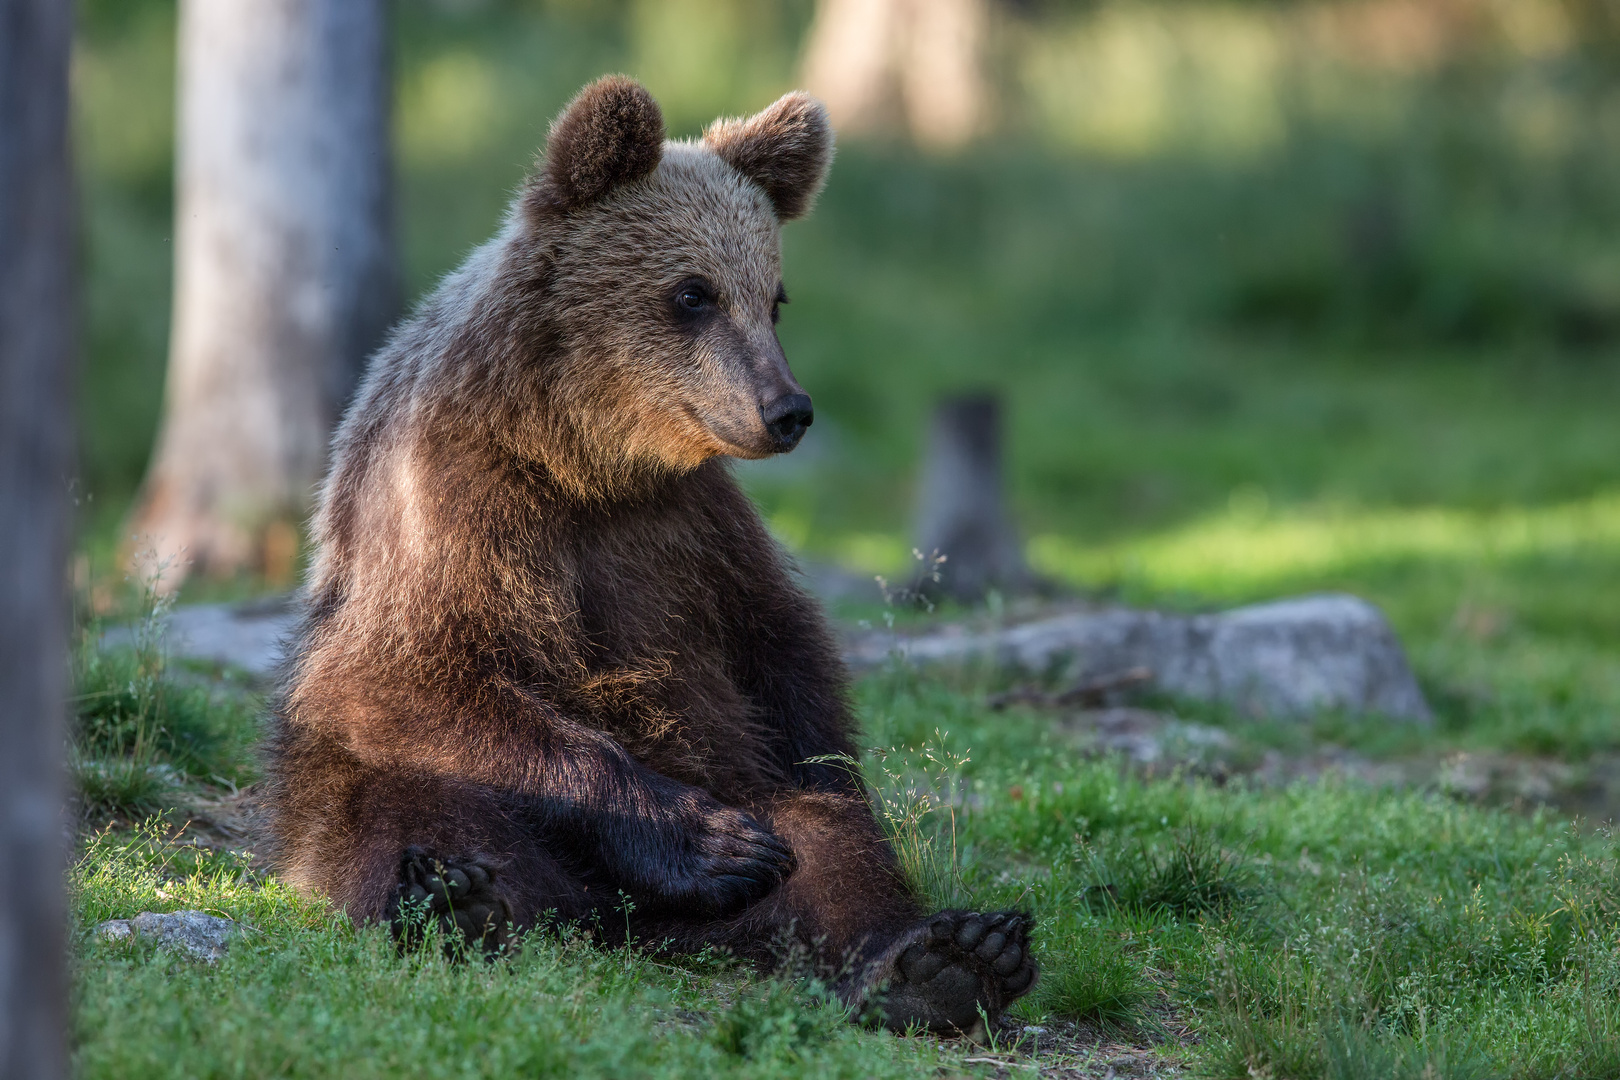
<point x="785" y="150"/>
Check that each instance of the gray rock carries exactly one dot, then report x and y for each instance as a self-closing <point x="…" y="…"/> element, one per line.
<point x="1148" y="737"/>
<point x="1289" y="658"/>
<point x="244" y="636"/>
<point x="194" y="933"/>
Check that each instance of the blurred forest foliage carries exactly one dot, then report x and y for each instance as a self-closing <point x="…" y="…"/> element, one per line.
<point x="1222" y="258"/>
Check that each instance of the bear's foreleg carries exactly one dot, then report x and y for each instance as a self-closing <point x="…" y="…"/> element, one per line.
<point x="584" y="798"/>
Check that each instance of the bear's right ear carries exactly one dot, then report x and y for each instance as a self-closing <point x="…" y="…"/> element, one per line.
<point x="610" y="134"/>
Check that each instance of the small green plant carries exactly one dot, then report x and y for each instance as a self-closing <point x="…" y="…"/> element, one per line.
<point x="776" y="1023"/>
<point x="1194" y="878"/>
<point x="918" y="595"/>
<point x="1088" y="974"/>
<point x="119" y="707"/>
<point x="917" y="801"/>
<point x="138" y="733"/>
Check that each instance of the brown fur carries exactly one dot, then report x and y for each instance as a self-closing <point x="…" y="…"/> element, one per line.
<point x="545" y="630"/>
<point x="610" y="134"/>
<point x="785" y="150"/>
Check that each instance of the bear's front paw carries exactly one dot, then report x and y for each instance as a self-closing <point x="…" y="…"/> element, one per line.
<point x="459" y="895"/>
<point x="734" y="861"/>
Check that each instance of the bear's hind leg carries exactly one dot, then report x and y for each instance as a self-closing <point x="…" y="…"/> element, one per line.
<point x="849" y="904"/>
<point x="462" y="896"/>
<point x="381" y="843"/>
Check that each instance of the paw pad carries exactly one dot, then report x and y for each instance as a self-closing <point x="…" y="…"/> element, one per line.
<point x="459" y="895"/>
<point x="962" y="964"/>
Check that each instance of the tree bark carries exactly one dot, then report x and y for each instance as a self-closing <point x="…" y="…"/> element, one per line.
<point x="36" y="451"/>
<point x="284" y="271"/>
<point x="961" y="513"/>
<point x="879" y="64"/>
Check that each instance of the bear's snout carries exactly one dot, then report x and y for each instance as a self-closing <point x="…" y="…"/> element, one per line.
<point x="786" y="418"/>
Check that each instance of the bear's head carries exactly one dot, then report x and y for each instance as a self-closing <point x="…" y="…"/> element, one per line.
<point x="663" y="275"/>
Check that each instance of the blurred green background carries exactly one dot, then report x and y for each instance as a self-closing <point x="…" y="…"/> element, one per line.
<point x="1281" y="296"/>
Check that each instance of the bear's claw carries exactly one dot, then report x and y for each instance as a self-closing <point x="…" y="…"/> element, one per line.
<point x="735" y="862"/>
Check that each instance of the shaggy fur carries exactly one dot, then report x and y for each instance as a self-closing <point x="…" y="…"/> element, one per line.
<point x="550" y="655"/>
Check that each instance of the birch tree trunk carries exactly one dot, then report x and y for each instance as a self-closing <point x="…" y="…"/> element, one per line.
<point x="36" y="449"/>
<point x="878" y="64"/>
<point x="284" y="271"/>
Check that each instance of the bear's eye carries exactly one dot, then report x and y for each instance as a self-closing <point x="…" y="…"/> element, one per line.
<point x="776" y="304"/>
<point x="693" y="297"/>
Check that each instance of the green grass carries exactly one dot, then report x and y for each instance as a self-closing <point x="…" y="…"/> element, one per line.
<point x="144" y="730"/>
<point x="305" y="993"/>
<point x="1322" y="930"/>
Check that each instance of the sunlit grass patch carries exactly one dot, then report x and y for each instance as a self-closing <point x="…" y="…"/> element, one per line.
<point x="1250" y="551"/>
<point x="139" y="732"/>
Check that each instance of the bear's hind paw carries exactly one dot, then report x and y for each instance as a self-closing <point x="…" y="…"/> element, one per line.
<point x="959" y="968"/>
<point x="460" y="896"/>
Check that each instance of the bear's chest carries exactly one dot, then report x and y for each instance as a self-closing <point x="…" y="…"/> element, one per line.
<point x="654" y="609"/>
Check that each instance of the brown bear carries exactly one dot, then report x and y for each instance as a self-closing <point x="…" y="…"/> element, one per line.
<point x="551" y="659"/>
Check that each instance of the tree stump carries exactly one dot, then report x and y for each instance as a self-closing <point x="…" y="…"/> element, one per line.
<point x="961" y="511"/>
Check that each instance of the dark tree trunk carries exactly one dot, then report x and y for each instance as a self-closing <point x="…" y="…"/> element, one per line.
<point x="284" y="271"/>
<point x="961" y="513"/>
<point x="36" y="440"/>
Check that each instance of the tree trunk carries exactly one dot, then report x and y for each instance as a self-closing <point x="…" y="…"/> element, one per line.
<point x="284" y="271"/>
<point x="849" y="63"/>
<point x="36" y="450"/>
<point x="878" y="64"/>
<point x="941" y="71"/>
<point x="961" y="513"/>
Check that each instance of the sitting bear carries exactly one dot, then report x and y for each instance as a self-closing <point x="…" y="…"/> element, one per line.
<point x="550" y="656"/>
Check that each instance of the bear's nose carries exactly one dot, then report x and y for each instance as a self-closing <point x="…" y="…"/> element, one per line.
<point x="786" y="418"/>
